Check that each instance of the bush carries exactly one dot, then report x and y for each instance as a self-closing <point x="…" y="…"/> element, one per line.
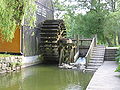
<point x="118" y="55"/>
<point x="118" y="60"/>
<point x="118" y="68"/>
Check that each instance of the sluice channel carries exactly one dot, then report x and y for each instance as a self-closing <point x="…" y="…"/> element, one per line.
<point x="45" y="77"/>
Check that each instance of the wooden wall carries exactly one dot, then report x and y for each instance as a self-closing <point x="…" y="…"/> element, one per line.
<point x="11" y="47"/>
<point x="31" y="36"/>
<point x="27" y="42"/>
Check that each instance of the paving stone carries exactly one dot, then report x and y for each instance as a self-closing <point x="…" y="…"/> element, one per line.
<point x="105" y="78"/>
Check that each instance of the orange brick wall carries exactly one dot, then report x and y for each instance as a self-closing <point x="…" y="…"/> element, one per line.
<point x="14" y="46"/>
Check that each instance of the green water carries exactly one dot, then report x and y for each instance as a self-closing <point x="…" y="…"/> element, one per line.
<point x="45" y="78"/>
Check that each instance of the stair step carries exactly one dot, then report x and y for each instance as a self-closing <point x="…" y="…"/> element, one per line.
<point x="110" y="53"/>
<point x="95" y="61"/>
<point x="109" y="58"/>
<point x="97" y="57"/>
<point x="49" y="33"/>
<point x="98" y="51"/>
<point x="100" y="46"/>
<point x="97" y="54"/>
<point x="52" y="29"/>
<point x="94" y="64"/>
<point x="93" y="67"/>
<point x="94" y="58"/>
<point x="91" y="70"/>
<point x="48" y="47"/>
<point x="48" y="43"/>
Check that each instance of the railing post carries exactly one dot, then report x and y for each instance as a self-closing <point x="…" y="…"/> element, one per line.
<point x="86" y="61"/>
<point x="78" y="38"/>
<point x="95" y="39"/>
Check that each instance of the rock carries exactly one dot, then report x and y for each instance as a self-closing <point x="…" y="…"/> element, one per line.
<point x="66" y="66"/>
<point x="4" y="66"/>
<point x="0" y="66"/>
<point x="9" y="64"/>
<point x="74" y="68"/>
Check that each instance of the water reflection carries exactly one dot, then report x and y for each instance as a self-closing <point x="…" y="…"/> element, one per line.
<point x="45" y="78"/>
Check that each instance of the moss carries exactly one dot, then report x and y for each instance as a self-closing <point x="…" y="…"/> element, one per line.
<point x="41" y="58"/>
<point x="18" y="64"/>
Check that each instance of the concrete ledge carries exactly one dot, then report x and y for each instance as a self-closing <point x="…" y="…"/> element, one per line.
<point x="30" y="60"/>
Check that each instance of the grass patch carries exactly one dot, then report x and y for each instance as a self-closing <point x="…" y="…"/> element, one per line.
<point x="6" y="55"/>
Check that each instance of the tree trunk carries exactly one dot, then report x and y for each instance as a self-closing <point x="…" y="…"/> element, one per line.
<point x="115" y="41"/>
<point x="119" y="38"/>
<point x="109" y="41"/>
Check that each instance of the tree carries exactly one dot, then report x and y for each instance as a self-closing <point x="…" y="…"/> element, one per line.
<point x="101" y="18"/>
<point x="12" y="13"/>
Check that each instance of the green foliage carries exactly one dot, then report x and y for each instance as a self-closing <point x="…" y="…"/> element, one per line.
<point x="12" y="13"/>
<point x="118" y="60"/>
<point x="118" y="68"/>
<point x="87" y="25"/>
<point x="93" y="23"/>
<point x="6" y="55"/>
<point x="100" y="18"/>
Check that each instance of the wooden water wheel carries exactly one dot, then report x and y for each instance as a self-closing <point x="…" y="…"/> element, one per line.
<point x="50" y="33"/>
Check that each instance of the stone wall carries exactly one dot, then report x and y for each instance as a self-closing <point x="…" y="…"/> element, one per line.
<point x="13" y="63"/>
<point x="8" y="64"/>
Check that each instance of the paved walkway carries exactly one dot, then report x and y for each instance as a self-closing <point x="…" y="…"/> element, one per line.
<point x="105" y="78"/>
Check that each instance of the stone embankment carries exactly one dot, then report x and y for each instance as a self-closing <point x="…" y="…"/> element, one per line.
<point x="8" y="64"/>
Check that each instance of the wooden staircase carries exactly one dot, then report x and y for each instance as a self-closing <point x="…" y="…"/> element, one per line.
<point x="50" y="33"/>
<point x="97" y="58"/>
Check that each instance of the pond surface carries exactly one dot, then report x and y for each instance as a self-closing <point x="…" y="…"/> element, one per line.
<point x="45" y="77"/>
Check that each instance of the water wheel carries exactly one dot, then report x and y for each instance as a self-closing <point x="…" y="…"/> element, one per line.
<point x="50" y="33"/>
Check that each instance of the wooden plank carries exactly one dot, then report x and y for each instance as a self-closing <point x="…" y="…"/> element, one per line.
<point x="14" y="46"/>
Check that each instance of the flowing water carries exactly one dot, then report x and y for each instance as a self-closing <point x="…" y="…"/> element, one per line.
<point x="45" y="77"/>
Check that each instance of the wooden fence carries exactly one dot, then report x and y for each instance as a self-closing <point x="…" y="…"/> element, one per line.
<point x="81" y="44"/>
